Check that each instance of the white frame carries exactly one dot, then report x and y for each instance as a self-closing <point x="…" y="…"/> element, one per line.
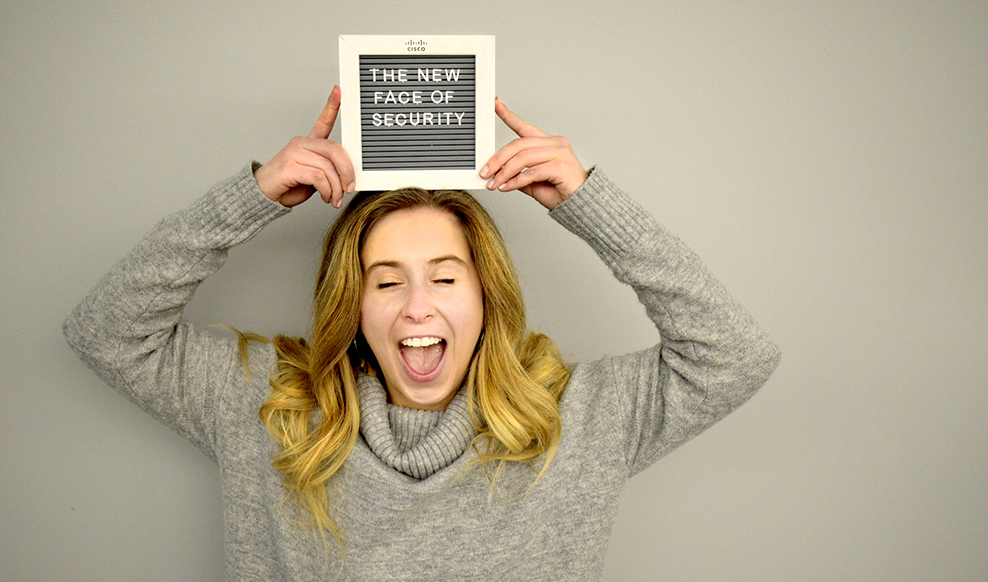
<point x="352" y="46"/>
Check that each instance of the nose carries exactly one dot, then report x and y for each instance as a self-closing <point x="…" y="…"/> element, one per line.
<point x="419" y="304"/>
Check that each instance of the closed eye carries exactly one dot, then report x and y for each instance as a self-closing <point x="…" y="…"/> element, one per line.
<point x="385" y="285"/>
<point x="445" y="281"/>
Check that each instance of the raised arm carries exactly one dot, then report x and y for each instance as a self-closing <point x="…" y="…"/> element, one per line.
<point x="712" y="356"/>
<point x="129" y="328"/>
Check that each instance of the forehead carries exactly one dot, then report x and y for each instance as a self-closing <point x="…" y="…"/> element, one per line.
<point x="415" y="234"/>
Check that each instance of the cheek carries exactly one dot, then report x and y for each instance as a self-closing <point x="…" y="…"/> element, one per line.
<point x="469" y="312"/>
<point x="373" y="322"/>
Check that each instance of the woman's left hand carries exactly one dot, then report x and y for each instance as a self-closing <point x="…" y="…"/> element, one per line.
<point x="541" y="165"/>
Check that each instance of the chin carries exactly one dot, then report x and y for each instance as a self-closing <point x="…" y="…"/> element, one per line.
<point x="424" y="397"/>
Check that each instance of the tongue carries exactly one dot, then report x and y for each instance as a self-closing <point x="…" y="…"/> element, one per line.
<point x="423" y="360"/>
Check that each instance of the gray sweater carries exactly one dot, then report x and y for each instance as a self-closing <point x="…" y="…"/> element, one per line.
<point x="403" y="515"/>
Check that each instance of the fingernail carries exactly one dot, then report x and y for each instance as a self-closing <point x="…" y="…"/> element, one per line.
<point x="503" y="188"/>
<point x="351" y="187"/>
<point x="490" y="184"/>
<point x="484" y="171"/>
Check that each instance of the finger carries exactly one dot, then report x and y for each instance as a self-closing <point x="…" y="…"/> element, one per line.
<point x="327" y="119"/>
<point x="308" y="168"/>
<point x="339" y="158"/>
<point x="541" y="173"/>
<point x="316" y="179"/>
<point x="511" y="149"/>
<point x="325" y="179"/>
<point x="527" y="158"/>
<point x="517" y="124"/>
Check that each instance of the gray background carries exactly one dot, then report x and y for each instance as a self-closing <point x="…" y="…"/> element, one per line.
<point x="828" y="160"/>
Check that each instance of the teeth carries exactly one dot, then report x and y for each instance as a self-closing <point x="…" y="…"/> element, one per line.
<point x="420" y="342"/>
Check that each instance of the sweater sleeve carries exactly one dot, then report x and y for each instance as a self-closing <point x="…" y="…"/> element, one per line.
<point x="129" y="329"/>
<point x="711" y="357"/>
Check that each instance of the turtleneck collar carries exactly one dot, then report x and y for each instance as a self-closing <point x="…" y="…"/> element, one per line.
<point x="415" y="442"/>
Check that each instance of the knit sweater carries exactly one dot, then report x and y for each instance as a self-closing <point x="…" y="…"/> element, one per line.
<point x="406" y="510"/>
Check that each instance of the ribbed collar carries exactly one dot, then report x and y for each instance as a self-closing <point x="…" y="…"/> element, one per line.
<point x="417" y="443"/>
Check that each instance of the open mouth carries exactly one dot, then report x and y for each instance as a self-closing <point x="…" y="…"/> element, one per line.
<point x="422" y="357"/>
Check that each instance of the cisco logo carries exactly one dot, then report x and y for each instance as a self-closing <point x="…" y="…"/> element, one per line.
<point x="416" y="46"/>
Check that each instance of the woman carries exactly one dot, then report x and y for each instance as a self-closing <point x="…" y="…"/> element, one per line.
<point x="421" y="426"/>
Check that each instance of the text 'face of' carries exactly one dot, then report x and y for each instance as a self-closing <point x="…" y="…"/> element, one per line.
<point x="422" y="310"/>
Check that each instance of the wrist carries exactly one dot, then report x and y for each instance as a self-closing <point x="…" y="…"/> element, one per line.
<point x="262" y="174"/>
<point x="572" y="185"/>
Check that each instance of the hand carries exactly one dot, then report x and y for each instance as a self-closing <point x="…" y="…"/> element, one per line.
<point x="310" y="164"/>
<point x="543" y="166"/>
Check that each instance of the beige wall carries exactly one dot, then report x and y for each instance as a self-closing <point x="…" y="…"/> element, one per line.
<point x="829" y="162"/>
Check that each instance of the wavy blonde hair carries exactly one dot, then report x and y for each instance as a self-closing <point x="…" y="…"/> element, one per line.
<point x="514" y="381"/>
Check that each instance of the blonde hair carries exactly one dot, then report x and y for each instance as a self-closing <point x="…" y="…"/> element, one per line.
<point x="514" y="381"/>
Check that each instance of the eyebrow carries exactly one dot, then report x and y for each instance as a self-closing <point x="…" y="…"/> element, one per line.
<point x="432" y="262"/>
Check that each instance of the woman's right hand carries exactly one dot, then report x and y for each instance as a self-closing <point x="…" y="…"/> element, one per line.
<point x="310" y="164"/>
